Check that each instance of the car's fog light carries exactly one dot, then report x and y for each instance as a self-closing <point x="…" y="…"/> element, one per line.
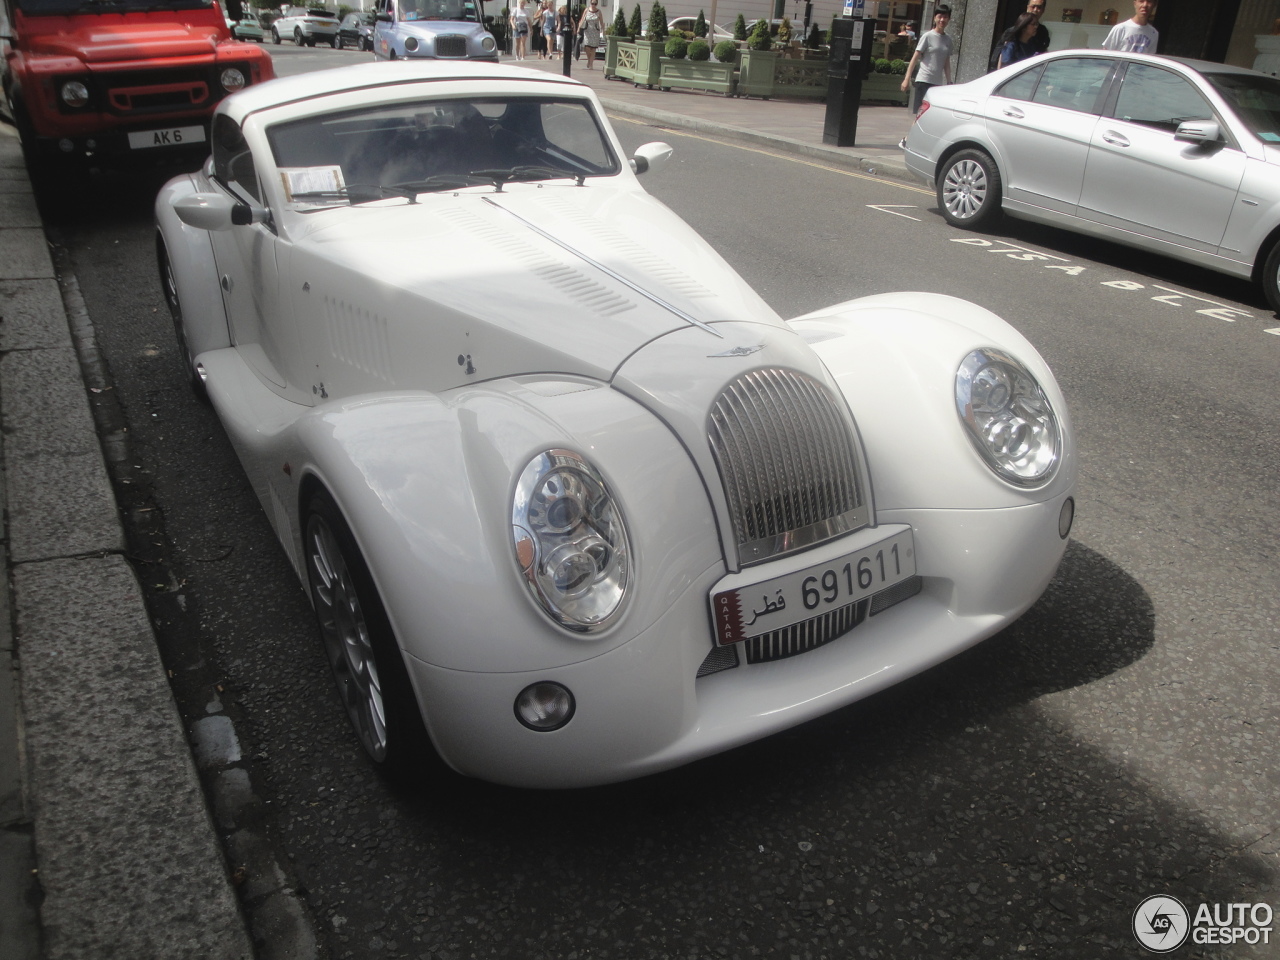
<point x="67" y="146"/>
<point x="1066" y="517"/>
<point x="411" y="43"/>
<point x="75" y="93"/>
<point x="544" y="706"/>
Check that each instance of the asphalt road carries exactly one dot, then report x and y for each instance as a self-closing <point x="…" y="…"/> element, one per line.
<point x="1117" y="742"/>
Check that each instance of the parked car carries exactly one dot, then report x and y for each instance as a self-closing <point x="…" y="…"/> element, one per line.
<point x="431" y="29"/>
<point x="1180" y="157"/>
<point x="356" y="29"/>
<point x="247" y="27"/>
<point x="306" y="26"/>
<point x="687" y="24"/>
<point x="572" y="502"/>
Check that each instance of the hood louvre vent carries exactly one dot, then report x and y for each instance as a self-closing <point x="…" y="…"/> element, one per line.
<point x="787" y="457"/>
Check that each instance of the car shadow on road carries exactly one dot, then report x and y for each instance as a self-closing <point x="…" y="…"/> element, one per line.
<point x="950" y="814"/>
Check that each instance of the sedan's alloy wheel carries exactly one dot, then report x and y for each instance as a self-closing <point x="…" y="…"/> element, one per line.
<point x="964" y="190"/>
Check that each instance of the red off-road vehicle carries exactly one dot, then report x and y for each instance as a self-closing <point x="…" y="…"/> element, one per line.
<point x="103" y="81"/>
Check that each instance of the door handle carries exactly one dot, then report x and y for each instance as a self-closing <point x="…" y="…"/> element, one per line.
<point x="227" y="282"/>
<point x="1115" y="139"/>
<point x="1013" y="112"/>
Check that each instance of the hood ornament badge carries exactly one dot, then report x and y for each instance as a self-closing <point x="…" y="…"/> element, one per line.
<point x="738" y="351"/>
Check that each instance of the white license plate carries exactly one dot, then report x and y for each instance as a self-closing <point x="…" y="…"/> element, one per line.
<point x="172" y="137"/>
<point x="779" y="602"/>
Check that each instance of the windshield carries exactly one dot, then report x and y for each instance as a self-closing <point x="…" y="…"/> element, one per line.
<point x="468" y="10"/>
<point x="47" y="8"/>
<point x="1256" y="101"/>
<point x="423" y="146"/>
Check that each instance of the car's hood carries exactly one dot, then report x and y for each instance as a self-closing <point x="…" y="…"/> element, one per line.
<point x="107" y="42"/>
<point x="437" y="28"/>
<point x="554" y="277"/>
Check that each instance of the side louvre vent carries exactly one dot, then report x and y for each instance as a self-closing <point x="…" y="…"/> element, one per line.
<point x="785" y="450"/>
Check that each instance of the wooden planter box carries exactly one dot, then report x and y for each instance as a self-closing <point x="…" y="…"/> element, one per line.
<point x="638" y="61"/>
<point x="755" y="72"/>
<point x="885" y="87"/>
<point x="709" y="75"/>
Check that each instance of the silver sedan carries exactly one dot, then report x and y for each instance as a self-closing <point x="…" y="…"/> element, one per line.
<point x="1180" y="157"/>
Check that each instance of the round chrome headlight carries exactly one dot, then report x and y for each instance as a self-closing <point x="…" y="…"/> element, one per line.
<point x="570" y="542"/>
<point x="489" y="44"/>
<point x="410" y="44"/>
<point x="1008" y="418"/>
<point x="233" y="79"/>
<point x="74" y="93"/>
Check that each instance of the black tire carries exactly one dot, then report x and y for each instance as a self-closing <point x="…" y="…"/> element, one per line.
<point x="968" y="189"/>
<point x="333" y="42"/>
<point x="275" y="35"/>
<point x="169" y="286"/>
<point x="1270" y="277"/>
<point x="361" y="648"/>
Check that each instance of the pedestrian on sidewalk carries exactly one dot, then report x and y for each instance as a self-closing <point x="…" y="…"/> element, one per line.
<point x="933" y="54"/>
<point x="1135" y="35"/>
<point x="550" y="23"/>
<point x="591" y="26"/>
<point x="520" y="28"/>
<point x="1018" y="42"/>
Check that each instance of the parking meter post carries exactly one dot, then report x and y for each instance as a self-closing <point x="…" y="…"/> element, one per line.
<point x="566" y="47"/>
<point x="850" y="58"/>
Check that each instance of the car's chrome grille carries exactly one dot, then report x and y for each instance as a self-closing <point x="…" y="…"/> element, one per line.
<point x="806" y="635"/>
<point x="785" y="451"/>
<point x="451" y="46"/>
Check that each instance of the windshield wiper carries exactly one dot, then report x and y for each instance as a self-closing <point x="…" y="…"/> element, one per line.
<point x="501" y="175"/>
<point x="355" y="193"/>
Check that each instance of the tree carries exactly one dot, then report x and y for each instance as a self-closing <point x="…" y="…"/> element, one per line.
<point x="657" y="22"/>
<point x="740" y="28"/>
<point x="620" y="23"/>
<point x="635" y="24"/>
<point x="700" y="25"/>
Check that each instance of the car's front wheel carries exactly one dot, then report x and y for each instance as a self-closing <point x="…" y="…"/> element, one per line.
<point x="367" y="664"/>
<point x="275" y="35"/>
<point x="1270" y="277"/>
<point x="969" y="188"/>
<point x="169" y="284"/>
<point x="333" y="42"/>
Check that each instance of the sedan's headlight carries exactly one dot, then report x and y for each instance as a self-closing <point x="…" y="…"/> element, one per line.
<point x="570" y="541"/>
<point x="1008" y="417"/>
<point x="233" y="79"/>
<point x="489" y="44"/>
<point x="74" y="93"/>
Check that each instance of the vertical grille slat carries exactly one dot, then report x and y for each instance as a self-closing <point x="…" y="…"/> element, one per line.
<point x="785" y="451"/>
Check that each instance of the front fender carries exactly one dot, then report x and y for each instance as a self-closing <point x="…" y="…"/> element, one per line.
<point x="895" y="357"/>
<point x="190" y="251"/>
<point x="426" y="484"/>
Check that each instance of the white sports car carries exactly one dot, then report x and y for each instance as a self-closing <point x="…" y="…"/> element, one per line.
<point x="573" y="504"/>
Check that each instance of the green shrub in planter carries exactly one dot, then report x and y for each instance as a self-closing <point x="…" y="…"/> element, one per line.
<point x="657" y="23"/>
<point x="699" y="28"/>
<point x="815" y="38"/>
<point x="760" y="38"/>
<point x="882" y="66"/>
<point x="676" y="48"/>
<point x="635" y="24"/>
<point x="740" y="28"/>
<point x="784" y="32"/>
<point x="620" y="24"/>
<point x="899" y="67"/>
<point x="726" y="51"/>
<point x="699" y="50"/>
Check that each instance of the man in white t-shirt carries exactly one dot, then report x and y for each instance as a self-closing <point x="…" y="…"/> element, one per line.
<point x="1136" y="35"/>
<point x="933" y="54"/>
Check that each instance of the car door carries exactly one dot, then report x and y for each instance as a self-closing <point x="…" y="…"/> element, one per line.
<point x="1041" y="122"/>
<point x="1139" y="177"/>
<point x="248" y="275"/>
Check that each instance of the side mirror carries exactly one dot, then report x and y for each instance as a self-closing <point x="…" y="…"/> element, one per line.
<point x="650" y="155"/>
<point x="384" y="18"/>
<point x="1198" y="131"/>
<point x="214" y="211"/>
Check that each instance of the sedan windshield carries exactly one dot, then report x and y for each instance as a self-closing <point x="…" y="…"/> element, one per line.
<point x="1256" y="101"/>
<point x="399" y="149"/>
<point x="440" y="10"/>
